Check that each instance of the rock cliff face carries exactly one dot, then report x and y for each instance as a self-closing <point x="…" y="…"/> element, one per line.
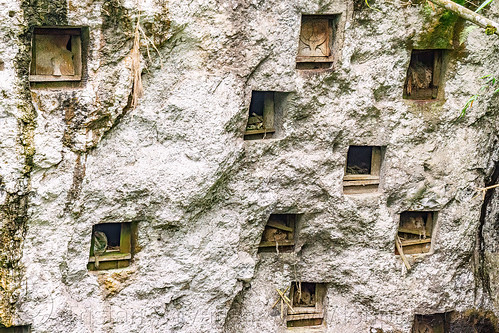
<point x="74" y="155"/>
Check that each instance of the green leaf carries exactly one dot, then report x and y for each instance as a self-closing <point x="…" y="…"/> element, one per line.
<point x="485" y="3"/>
<point x="367" y="3"/>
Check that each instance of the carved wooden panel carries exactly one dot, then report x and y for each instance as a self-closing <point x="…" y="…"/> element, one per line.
<point x="314" y="38"/>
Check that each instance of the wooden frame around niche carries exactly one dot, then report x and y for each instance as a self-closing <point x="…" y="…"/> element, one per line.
<point x="263" y="106"/>
<point x="415" y="232"/>
<point x="282" y="229"/>
<point x="47" y="35"/>
<point x="360" y="181"/>
<point x="424" y="74"/>
<point x="317" y="41"/>
<point x="311" y="315"/>
<point x="114" y="258"/>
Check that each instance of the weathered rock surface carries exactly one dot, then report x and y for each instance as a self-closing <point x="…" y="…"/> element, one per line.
<point x="72" y="157"/>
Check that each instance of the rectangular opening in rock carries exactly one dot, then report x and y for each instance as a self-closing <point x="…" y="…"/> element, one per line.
<point x="261" y="116"/>
<point x="317" y="41"/>
<point x="111" y="245"/>
<point x="414" y="232"/>
<point x="307" y="299"/>
<point x="56" y="55"/>
<point x="362" y="170"/>
<point x="433" y="323"/>
<point x="423" y="75"/>
<point x="16" y="329"/>
<point x="279" y="233"/>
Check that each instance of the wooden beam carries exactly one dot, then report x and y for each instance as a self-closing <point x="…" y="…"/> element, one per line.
<point x="280" y="243"/>
<point x="305" y="316"/>
<point x="415" y="241"/>
<point x="413" y="232"/>
<point x="58" y="31"/>
<point x="112" y="257"/>
<point x="360" y="182"/>
<point x="260" y="131"/>
<point x="51" y="78"/>
<point x="376" y="161"/>
<point x="467" y="14"/>
<point x="277" y="225"/>
<point x="309" y="309"/>
<point x="360" y="177"/>
<point x="268" y="110"/>
<point x="401" y="252"/>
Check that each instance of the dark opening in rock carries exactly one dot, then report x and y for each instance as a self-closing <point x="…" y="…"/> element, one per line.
<point x="423" y="75"/>
<point x="308" y="305"/>
<point x="415" y="232"/>
<point x="111" y="245"/>
<point x="279" y="233"/>
<point x="261" y="117"/>
<point x="359" y="160"/>
<point x="434" y="323"/>
<point x="362" y="170"/>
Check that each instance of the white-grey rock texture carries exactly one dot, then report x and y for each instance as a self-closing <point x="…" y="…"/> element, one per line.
<point x="177" y="165"/>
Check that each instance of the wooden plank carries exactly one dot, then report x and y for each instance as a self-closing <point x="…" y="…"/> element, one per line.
<point x="429" y="223"/>
<point x="360" y="189"/>
<point x="32" y="69"/>
<point x="304" y="309"/>
<point x="76" y="50"/>
<point x="360" y="177"/>
<point x="401" y="252"/>
<point x="92" y="241"/>
<point x="112" y="257"/>
<point x="291" y="221"/>
<point x="314" y="59"/>
<point x="376" y="161"/>
<point x="413" y="232"/>
<point x="57" y="31"/>
<point x="417" y="248"/>
<point x="437" y="67"/>
<point x="108" y="265"/>
<point x="305" y="316"/>
<point x="268" y="110"/>
<point x="277" y="225"/>
<point x="126" y="238"/>
<point x="259" y="131"/>
<point x="360" y="182"/>
<point x="51" y="78"/>
<point x="415" y="241"/>
<point x="281" y="243"/>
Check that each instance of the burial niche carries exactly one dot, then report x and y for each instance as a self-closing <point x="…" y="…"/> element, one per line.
<point x="414" y="232"/>
<point x="423" y="75"/>
<point x="308" y="305"/>
<point x="434" y="323"/>
<point x="279" y="233"/>
<point x="317" y="41"/>
<point x="56" y="55"/>
<point x="111" y="245"/>
<point x="362" y="170"/>
<point x="261" y="116"/>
